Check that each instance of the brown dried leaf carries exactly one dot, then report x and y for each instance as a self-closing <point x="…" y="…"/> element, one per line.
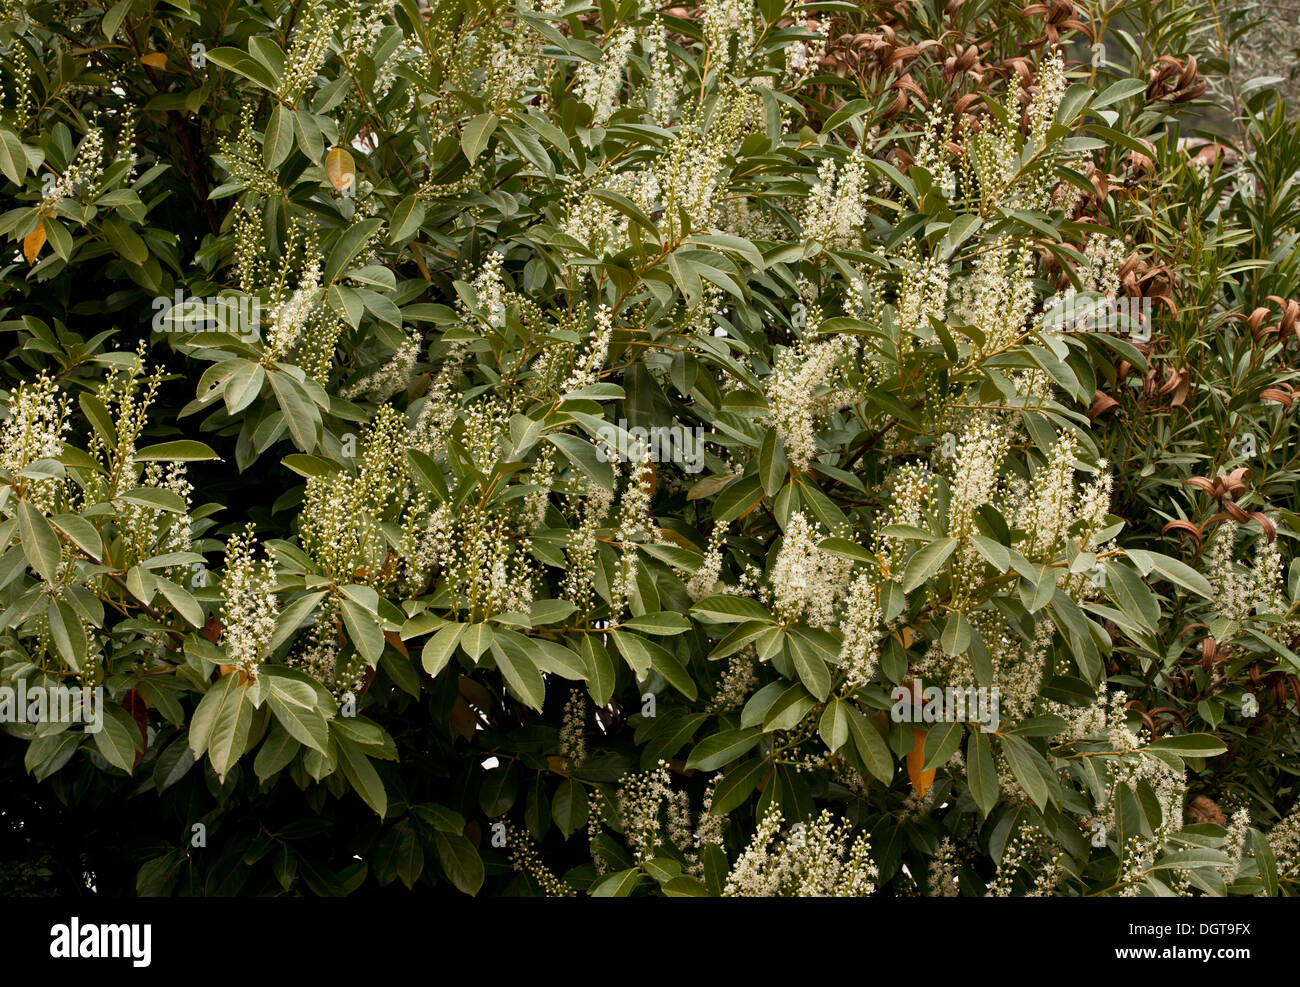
<point x="1101" y="403"/>
<point x="1193" y="532"/>
<point x="1270" y="529"/>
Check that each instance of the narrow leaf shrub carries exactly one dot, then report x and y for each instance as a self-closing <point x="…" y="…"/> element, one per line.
<point x="735" y="448"/>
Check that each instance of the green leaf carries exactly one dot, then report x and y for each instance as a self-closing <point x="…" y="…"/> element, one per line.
<point x="845" y="549"/>
<point x="620" y="884"/>
<point x="737" y="499"/>
<point x="100" y="420"/>
<point x="278" y="137"/>
<point x="736" y="786"/>
<point x="1189" y="745"/>
<point x="1265" y="861"/>
<point x="789" y="709"/>
<point x="364" y="631"/>
<point x="308" y="134"/>
<point x="46" y="756"/>
<point x="439" y="817"/>
<point x="293" y="617"/>
<point x="666" y="742"/>
<point x="961" y="230"/>
<point x="363" y="596"/>
<point x="496" y="794"/>
<point x="439" y="648"/>
<point x="476" y="133"/>
<point x="113" y="19"/>
<point x="408" y="854"/>
<point x="1188" y="859"/>
<point x="628" y="208"/>
<point x="734" y="245"/>
<point x="1074" y="100"/>
<point x="67" y="633"/>
<point x="221" y="723"/>
<point x="307" y="726"/>
<point x="243" y="386"/>
<point x="740" y="636"/>
<point x="476" y="639"/>
<point x="600" y="669"/>
<point x="673" y="671"/>
<point x="1035" y="221"/>
<point x="1021" y="757"/>
<point x="635" y="651"/>
<point x="1132" y="595"/>
<point x="812" y="670"/>
<point x="569" y="807"/>
<point x="664" y="622"/>
<point x="361" y="775"/>
<point x="1118" y="91"/>
<point x="848" y="111"/>
<point x="119" y="739"/>
<point x="834" y="726"/>
<point x="1124" y="140"/>
<point x="13" y="160"/>
<point x="926" y="562"/>
<point x="773" y="467"/>
<point x="583" y="454"/>
<point x="346" y="248"/>
<point x="871" y="747"/>
<point x="179" y="451"/>
<point x="1178" y="573"/>
<point x="722" y="748"/>
<point x="183" y="602"/>
<point x="81" y="533"/>
<point x="428" y="473"/>
<point x="300" y="412"/>
<point x="981" y="775"/>
<point x="941" y="742"/>
<point x="157" y="498"/>
<point x="460" y="861"/>
<point x="125" y="242"/>
<point x="234" y="60"/>
<point x="956" y="634"/>
<point x="729" y="609"/>
<point x="1277" y="647"/>
<point x="39" y="541"/>
<point x="407" y="218"/>
<point x="511" y="652"/>
<point x="685" y="887"/>
<point x="687" y="278"/>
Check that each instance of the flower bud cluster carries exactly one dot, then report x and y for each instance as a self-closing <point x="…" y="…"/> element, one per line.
<point x="248" y="604"/>
<point x="809" y="860"/>
<point x="598" y="83"/>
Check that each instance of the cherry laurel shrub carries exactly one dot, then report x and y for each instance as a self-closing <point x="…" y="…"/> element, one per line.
<point x="577" y="448"/>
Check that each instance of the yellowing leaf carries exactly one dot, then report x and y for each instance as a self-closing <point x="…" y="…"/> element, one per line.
<point x="340" y="168"/>
<point x="244" y="677"/>
<point x="155" y="60"/>
<point x="921" y="780"/>
<point x="33" y="242"/>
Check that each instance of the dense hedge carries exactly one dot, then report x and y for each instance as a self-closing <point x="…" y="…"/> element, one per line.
<point x="546" y="448"/>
